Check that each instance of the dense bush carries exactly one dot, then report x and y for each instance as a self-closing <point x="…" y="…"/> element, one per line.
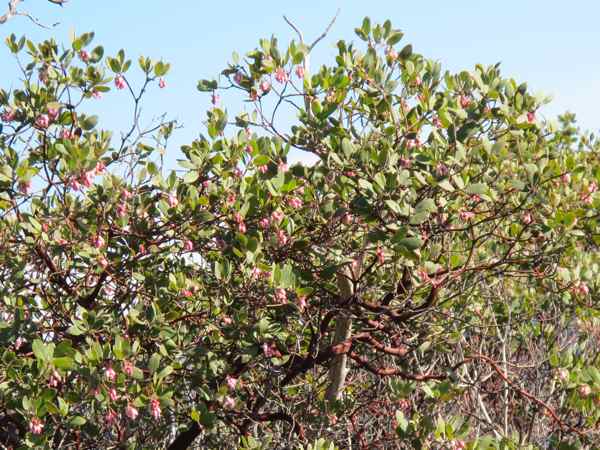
<point x="430" y="282"/>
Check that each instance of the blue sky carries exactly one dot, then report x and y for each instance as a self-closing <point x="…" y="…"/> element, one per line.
<point x="553" y="45"/>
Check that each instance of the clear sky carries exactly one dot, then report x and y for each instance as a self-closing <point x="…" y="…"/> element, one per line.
<point x="553" y="45"/>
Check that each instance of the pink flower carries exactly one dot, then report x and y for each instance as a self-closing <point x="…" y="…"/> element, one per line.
<point x="264" y="223"/>
<point x="441" y="169"/>
<point x="237" y="173"/>
<point x="584" y="390"/>
<point x="53" y="113"/>
<point x="436" y="122"/>
<point x="280" y="295"/>
<point x="230" y="199"/>
<point x="55" y="379"/>
<point x="112" y="394"/>
<point x="302" y="302"/>
<point x="458" y="444"/>
<point x="270" y="350"/>
<point x="128" y="368"/>
<point x="283" y="167"/>
<point x="412" y="143"/>
<point x="229" y="402"/>
<point x="248" y="148"/>
<point x="172" y="200"/>
<point x="300" y="71"/>
<point x="100" y="168"/>
<point x="188" y="245"/>
<point x="295" y="202"/>
<point x="66" y="134"/>
<point x="36" y="426"/>
<point x="162" y="83"/>
<point x="42" y="121"/>
<point x="121" y="210"/>
<point x="142" y="249"/>
<point x="347" y="219"/>
<point x="464" y="101"/>
<point x="206" y="184"/>
<point x="24" y="187"/>
<point x="97" y="95"/>
<point x="405" y="162"/>
<point x="186" y="293"/>
<point x="277" y="216"/>
<point x="110" y="373"/>
<point x="282" y="238"/>
<point x="350" y="173"/>
<point x="84" y="56"/>
<point x="155" y="408"/>
<point x="418" y="81"/>
<point x="263" y="168"/>
<point x="242" y="227"/>
<point x="562" y="374"/>
<point x="214" y="98"/>
<point x="8" y="115"/>
<point x="255" y="273"/>
<point x="265" y="86"/>
<point x="580" y="288"/>
<point x="238" y="77"/>
<point x="87" y="178"/>
<point x="527" y="218"/>
<point x="111" y="417"/>
<point x="120" y="82"/>
<point x="380" y="255"/>
<point x="231" y="382"/>
<point x="103" y="261"/>
<point x="466" y="215"/>
<point x="281" y="75"/>
<point x="565" y="178"/>
<point x="98" y="241"/>
<point x="530" y="117"/>
<point x="391" y="53"/>
<point x="131" y="412"/>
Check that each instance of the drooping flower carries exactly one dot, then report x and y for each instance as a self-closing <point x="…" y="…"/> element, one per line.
<point x="84" y="56"/>
<point x="55" y="379"/>
<point x="264" y="223"/>
<point x="66" y="134"/>
<point x="281" y="76"/>
<point x="121" y="210"/>
<point x="282" y="238"/>
<point x="111" y="417"/>
<point x="302" y="302"/>
<point x="295" y="202"/>
<point x="188" y="245"/>
<point x="466" y="215"/>
<point x="120" y="82"/>
<point x="262" y="168"/>
<point x="277" y="216"/>
<point x="214" y="98"/>
<point x="131" y="412"/>
<point x="162" y="83"/>
<point x="464" y="101"/>
<point x="531" y="117"/>
<point x="186" y="293"/>
<point x="36" y="425"/>
<point x="280" y="295"/>
<point x="300" y="71"/>
<point x="565" y="178"/>
<point x="265" y="86"/>
<point x="87" y="178"/>
<point x="527" y="218"/>
<point x="98" y="241"/>
<point x="242" y="227"/>
<point x="238" y="77"/>
<point x="8" y="115"/>
<point x="380" y="255"/>
<point x="128" y="368"/>
<point x="231" y="382"/>
<point x="97" y="95"/>
<point x="172" y="200"/>
<point x="24" y="187"/>
<point x="584" y="390"/>
<point x="229" y="402"/>
<point x="562" y="374"/>
<point x="113" y="395"/>
<point x="53" y="113"/>
<point x="110" y="373"/>
<point x="100" y="168"/>
<point x="155" y="408"/>
<point x="42" y="121"/>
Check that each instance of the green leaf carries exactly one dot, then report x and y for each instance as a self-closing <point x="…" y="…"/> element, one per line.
<point x="154" y="362"/>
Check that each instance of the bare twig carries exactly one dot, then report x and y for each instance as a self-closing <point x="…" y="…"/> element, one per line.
<point x="13" y="12"/>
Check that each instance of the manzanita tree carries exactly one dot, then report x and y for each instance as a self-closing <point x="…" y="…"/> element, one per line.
<point x="429" y="282"/>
